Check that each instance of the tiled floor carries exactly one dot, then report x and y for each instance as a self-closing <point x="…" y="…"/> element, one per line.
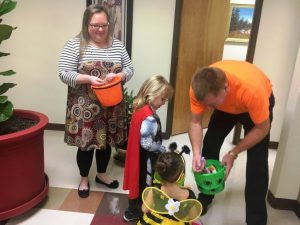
<point x="104" y="206"/>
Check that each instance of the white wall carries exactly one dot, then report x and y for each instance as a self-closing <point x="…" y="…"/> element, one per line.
<point x="43" y="28"/>
<point x="152" y="36"/>
<point x="277" y="53"/>
<point x="235" y="51"/>
<point x="288" y="155"/>
<point x="286" y="183"/>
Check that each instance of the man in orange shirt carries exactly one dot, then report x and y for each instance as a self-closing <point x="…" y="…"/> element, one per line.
<point x="239" y="92"/>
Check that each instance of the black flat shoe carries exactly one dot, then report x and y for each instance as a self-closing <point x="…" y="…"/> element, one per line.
<point x="113" y="185"/>
<point x="85" y="192"/>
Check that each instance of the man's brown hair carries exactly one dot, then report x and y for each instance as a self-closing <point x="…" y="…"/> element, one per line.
<point x="208" y="80"/>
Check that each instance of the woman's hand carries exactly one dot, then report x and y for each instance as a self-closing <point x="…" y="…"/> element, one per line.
<point x="96" y="81"/>
<point x="109" y="77"/>
<point x="88" y="79"/>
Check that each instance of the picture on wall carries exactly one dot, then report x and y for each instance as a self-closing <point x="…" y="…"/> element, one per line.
<point x="240" y="23"/>
<point x="120" y="12"/>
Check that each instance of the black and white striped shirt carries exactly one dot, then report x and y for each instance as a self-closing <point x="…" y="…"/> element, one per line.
<point x="70" y="59"/>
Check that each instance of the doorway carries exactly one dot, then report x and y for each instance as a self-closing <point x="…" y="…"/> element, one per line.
<point x="197" y="44"/>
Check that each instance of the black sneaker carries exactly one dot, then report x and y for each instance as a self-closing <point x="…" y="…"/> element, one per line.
<point x="205" y="202"/>
<point x="130" y="216"/>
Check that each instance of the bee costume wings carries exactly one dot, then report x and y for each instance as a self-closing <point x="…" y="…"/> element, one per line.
<point x="167" y="211"/>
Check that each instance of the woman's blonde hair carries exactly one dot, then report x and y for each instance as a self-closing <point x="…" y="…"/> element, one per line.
<point x="208" y="80"/>
<point x="152" y="88"/>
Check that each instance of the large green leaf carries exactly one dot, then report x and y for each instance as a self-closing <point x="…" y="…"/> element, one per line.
<point x="8" y="73"/>
<point x="4" y="54"/>
<point x="6" y="111"/>
<point x="5" y="86"/>
<point x="3" y="99"/>
<point x="6" y="6"/>
<point x="5" y="31"/>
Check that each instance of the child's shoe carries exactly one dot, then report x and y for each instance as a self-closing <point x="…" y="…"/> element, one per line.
<point x="130" y="216"/>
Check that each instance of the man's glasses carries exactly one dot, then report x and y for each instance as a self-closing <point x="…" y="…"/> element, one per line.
<point x="98" y="26"/>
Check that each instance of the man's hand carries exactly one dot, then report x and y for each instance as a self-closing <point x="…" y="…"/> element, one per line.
<point x="198" y="164"/>
<point x="196" y="136"/>
<point x="255" y="135"/>
<point x="228" y="161"/>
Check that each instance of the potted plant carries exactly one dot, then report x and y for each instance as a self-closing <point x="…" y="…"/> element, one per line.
<point x="120" y="154"/>
<point x="23" y="181"/>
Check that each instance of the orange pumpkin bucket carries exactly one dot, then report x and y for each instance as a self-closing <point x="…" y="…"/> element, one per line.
<point x="109" y="94"/>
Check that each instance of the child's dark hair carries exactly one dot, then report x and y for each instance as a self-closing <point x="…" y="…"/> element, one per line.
<point x="169" y="166"/>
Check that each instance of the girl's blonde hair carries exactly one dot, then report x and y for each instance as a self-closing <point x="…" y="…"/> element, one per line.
<point x="153" y="87"/>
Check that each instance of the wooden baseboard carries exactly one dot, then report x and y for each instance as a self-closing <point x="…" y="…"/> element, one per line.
<point x="284" y="204"/>
<point x="61" y="127"/>
<point x="166" y="136"/>
<point x="55" y="126"/>
<point x="273" y="145"/>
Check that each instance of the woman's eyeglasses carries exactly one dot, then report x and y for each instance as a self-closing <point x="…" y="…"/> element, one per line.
<point x="98" y="26"/>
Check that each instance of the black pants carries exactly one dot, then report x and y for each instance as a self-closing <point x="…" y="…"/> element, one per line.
<point x="257" y="172"/>
<point x="136" y="204"/>
<point x="85" y="159"/>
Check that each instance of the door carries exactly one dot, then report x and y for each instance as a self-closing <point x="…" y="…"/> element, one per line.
<point x="202" y="34"/>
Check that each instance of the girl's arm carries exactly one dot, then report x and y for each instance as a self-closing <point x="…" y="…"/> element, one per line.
<point x="148" y="132"/>
<point x="144" y="208"/>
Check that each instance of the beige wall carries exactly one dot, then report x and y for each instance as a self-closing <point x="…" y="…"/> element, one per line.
<point x="43" y="28"/>
<point x="285" y="182"/>
<point x="277" y="53"/>
<point x="152" y="36"/>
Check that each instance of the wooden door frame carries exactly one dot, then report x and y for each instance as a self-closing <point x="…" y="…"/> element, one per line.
<point x="174" y="59"/>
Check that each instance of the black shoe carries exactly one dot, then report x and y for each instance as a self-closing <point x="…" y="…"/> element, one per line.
<point x="113" y="185"/>
<point x="130" y="216"/>
<point x="119" y="160"/>
<point x="205" y="202"/>
<point x="85" y="192"/>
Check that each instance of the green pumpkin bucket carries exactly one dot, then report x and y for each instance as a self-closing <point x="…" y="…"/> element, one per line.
<point x="211" y="183"/>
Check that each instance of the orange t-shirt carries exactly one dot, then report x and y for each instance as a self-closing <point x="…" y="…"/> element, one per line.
<point x="249" y="91"/>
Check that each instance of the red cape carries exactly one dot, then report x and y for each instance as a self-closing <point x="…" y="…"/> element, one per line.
<point x="132" y="163"/>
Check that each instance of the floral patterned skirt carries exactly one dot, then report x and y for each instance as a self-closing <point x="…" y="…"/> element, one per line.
<point x="90" y="125"/>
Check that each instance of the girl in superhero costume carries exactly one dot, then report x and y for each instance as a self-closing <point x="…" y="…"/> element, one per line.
<point x="144" y="141"/>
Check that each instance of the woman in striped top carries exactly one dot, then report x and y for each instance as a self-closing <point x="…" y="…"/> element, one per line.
<point x="94" y="57"/>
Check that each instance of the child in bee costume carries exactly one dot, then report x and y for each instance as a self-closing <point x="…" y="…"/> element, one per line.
<point x="168" y="202"/>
